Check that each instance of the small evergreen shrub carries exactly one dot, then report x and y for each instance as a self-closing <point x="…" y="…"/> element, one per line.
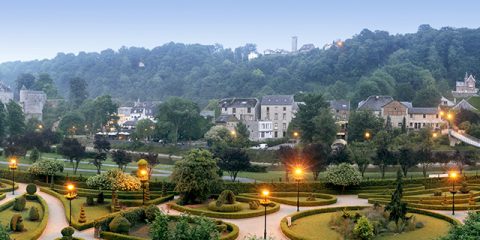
<point x="67" y="233"/>
<point x="437" y="193"/>
<point x="464" y="188"/>
<point x="119" y="225"/>
<point x="4" y="233"/>
<point x="90" y="201"/>
<point x="31" y="188"/>
<point x="151" y="212"/>
<point x="100" y="198"/>
<point x="19" y="204"/>
<point x="16" y="223"/>
<point x="254" y="205"/>
<point x="33" y="215"/>
<point x="226" y="197"/>
<point x="363" y="229"/>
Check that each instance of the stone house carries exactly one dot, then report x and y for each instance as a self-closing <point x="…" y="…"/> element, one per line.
<point x="32" y="103"/>
<point x="280" y="110"/>
<point x="244" y="109"/>
<point x="466" y="87"/>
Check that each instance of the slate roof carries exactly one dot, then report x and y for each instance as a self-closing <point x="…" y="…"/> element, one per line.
<point x="374" y="103"/>
<point x="277" y="100"/>
<point x="422" y="110"/>
<point x="464" y="104"/>
<point x="224" y="118"/>
<point x="340" y="105"/>
<point x="238" y="102"/>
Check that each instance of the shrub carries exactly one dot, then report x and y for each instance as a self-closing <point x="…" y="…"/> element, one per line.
<point x="235" y="207"/>
<point x="437" y="193"/>
<point x="33" y="215"/>
<point x="67" y="233"/>
<point x="114" y="179"/>
<point x="4" y="233"/>
<point x="254" y="205"/>
<point x="159" y="228"/>
<point x="19" y="204"/>
<point x="151" y="212"/>
<point x="31" y="188"/>
<point x="90" y="201"/>
<point x="311" y="197"/>
<point x="119" y="225"/>
<point x="343" y="175"/>
<point x="363" y="229"/>
<point x="419" y="225"/>
<point x="16" y="223"/>
<point x="226" y="197"/>
<point x="464" y="188"/>
<point x="100" y="198"/>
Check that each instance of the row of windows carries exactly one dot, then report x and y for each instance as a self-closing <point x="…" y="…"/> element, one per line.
<point x="234" y="110"/>
<point x="284" y="109"/>
<point x="275" y="116"/>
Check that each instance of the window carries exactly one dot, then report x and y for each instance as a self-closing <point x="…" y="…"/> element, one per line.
<point x="284" y="108"/>
<point x="276" y="125"/>
<point x="268" y="109"/>
<point x="284" y="126"/>
<point x="436" y="116"/>
<point x="262" y="134"/>
<point x="276" y="134"/>
<point x="284" y="116"/>
<point x="234" y="110"/>
<point x="399" y="124"/>
<point x="275" y="116"/>
<point x="411" y="115"/>
<point x="225" y="109"/>
<point x="424" y="116"/>
<point x="284" y="134"/>
<point x="249" y="110"/>
<point x="411" y="124"/>
<point x="268" y="116"/>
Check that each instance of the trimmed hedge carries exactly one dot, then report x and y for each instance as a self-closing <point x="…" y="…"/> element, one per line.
<point x="294" y="236"/>
<point x="325" y="199"/>
<point x="226" y="215"/>
<point x="235" y="207"/>
<point x="428" y="206"/>
<point x="8" y="182"/>
<point x="37" y="232"/>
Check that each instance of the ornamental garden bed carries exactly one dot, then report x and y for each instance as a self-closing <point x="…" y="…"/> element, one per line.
<point x="140" y="220"/>
<point x="306" y="199"/>
<point x="6" y="186"/>
<point x="334" y="223"/>
<point x="231" y="207"/>
<point x="25" y="218"/>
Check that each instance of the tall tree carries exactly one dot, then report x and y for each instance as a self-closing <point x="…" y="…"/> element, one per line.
<point x="15" y="119"/>
<point x="289" y="158"/>
<point x="144" y="129"/>
<point x="396" y="208"/>
<point x="362" y="154"/>
<point x="384" y="156"/>
<point x="314" y="106"/>
<point x="73" y="150"/>
<point x="3" y="122"/>
<point x="121" y="158"/>
<point x="241" y="135"/>
<point x="78" y="91"/>
<point x="102" y="146"/>
<point x="25" y="79"/>
<point x="316" y="158"/>
<point x="363" y="121"/>
<point x="325" y="127"/>
<point x="234" y="160"/>
<point x="45" y="83"/>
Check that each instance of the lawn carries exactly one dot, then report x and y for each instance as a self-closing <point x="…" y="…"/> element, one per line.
<point x="91" y="212"/>
<point x="7" y="214"/>
<point x="316" y="227"/>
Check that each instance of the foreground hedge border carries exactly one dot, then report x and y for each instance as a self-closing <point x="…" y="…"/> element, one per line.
<point x="37" y="232"/>
<point x="226" y="215"/>
<point x="427" y="206"/>
<point x="8" y="182"/>
<point x="233" y="229"/>
<point x="294" y="236"/>
<point x="325" y="199"/>
<point x="89" y="224"/>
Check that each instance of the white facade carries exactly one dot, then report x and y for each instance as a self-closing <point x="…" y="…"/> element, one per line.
<point x="32" y="103"/>
<point x="265" y="130"/>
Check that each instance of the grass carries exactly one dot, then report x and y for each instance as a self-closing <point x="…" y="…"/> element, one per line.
<point x="91" y="212"/>
<point x="433" y="229"/>
<point x="7" y="214"/>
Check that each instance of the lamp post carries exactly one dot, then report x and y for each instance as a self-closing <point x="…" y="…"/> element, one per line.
<point x="13" y="166"/>
<point x="298" y="175"/>
<point x="143" y="179"/>
<point x="367" y="135"/>
<point x="453" y="176"/>
<point x="265" y="202"/>
<point x="71" y="194"/>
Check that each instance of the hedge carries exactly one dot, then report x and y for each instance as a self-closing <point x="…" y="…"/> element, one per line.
<point x="73" y="238"/>
<point x="326" y="199"/>
<point x="37" y="232"/>
<point x="428" y="206"/>
<point x="227" y="215"/>
<point x="293" y="236"/>
<point x="8" y="182"/>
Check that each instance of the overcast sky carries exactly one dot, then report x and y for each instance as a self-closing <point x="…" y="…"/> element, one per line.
<point x="38" y="29"/>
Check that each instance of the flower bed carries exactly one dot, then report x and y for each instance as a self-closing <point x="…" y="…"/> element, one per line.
<point x="290" y="198"/>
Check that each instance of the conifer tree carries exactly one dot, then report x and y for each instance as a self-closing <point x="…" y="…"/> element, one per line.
<point x="397" y="208"/>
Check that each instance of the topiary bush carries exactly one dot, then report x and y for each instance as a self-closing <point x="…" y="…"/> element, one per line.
<point x="151" y="212"/>
<point x="16" y="223"/>
<point x="363" y="229"/>
<point x="343" y="175"/>
<point x="33" y="215"/>
<point x="19" y="204"/>
<point x="100" y="198"/>
<point x="437" y="193"/>
<point x="254" y="205"/>
<point x="464" y="188"/>
<point x="226" y="197"/>
<point x="235" y="207"/>
<point x="67" y="233"/>
<point x="120" y="225"/>
<point x="31" y="188"/>
<point x="90" y="201"/>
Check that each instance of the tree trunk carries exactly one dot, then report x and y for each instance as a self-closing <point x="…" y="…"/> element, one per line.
<point x="52" y="182"/>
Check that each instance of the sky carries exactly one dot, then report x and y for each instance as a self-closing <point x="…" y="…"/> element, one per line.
<point x="38" y="29"/>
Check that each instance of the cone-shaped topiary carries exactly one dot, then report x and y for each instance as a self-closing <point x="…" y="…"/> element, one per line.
<point x="119" y="225"/>
<point x="16" y="223"/>
<point x="31" y="188"/>
<point x="33" y="215"/>
<point x="19" y="204"/>
<point x="100" y="198"/>
<point x="82" y="218"/>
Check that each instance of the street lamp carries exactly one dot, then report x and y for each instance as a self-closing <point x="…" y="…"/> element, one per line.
<point x="71" y="194"/>
<point x="143" y="179"/>
<point x="233" y="133"/>
<point x="13" y="166"/>
<point x="367" y="135"/>
<point x="434" y="135"/>
<point x="265" y="203"/>
<point x="298" y="175"/>
<point x="453" y="176"/>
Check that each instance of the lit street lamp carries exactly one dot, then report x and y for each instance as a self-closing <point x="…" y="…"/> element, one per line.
<point x="435" y="135"/>
<point x="298" y="175"/>
<point x="143" y="174"/>
<point x="453" y="176"/>
<point x="71" y="194"/>
<point x="233" y="133"/>
<point x="13" y="166"/>
<point x="265" y="203"/>
<point x="367" y="136"/>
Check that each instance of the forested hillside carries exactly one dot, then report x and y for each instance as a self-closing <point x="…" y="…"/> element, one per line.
<point x="410" y="67"/>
